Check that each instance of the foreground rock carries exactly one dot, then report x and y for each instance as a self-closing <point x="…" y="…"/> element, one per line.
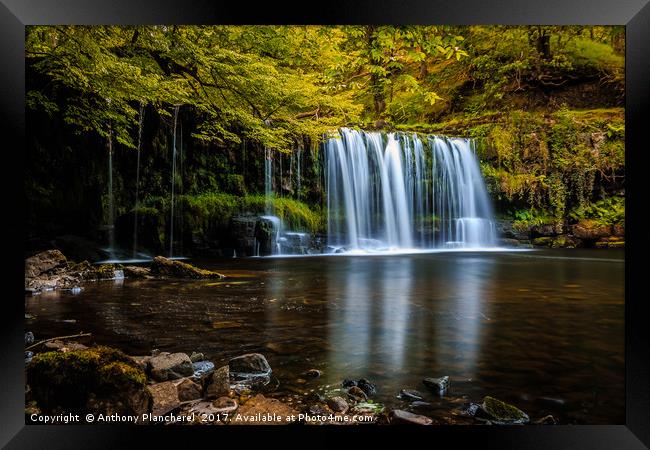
<point x="169" y="366"/>
<point x="165" y="267"/>
<point x="406" y="418"/>
<point x="51" y="270"/>
<point x="438" y="385"/>
<point x="251" y="368"/>
<point x="501" y="413"/>
<point x="100" y="379"/>
<point x="218" y="383"/>
<point x="259" y="409"/>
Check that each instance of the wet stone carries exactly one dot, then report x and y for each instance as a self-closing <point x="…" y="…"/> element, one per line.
<point x="357" y="394"/>
<point x="499" y="412"/>
<point x="202" y="368"/>
<point x="367" y="387"/>
<point x="410" y="394"/>
<point x="399" y="416"/>
<point x="314" y="373"/>
<point x="196" y="357"/>
<point x="439" y="385"/>
<point x="337" y="404"/>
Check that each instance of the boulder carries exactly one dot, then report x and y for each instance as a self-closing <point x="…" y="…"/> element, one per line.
<point x="590" y="229"/>
<point x="499" y="412"/>
<point x="169" y="366"/>
<point x="44" y="263"/>
<point x="217" y="383"/>
<point x="399" y="416"/>
<point x="137" y="272"/>
<point x="165" y="267"/>
<point x="438" y="385"/>
<point x="257" y="408"/>
<point x="249" y="364"/>
<point x="97" y="379"/>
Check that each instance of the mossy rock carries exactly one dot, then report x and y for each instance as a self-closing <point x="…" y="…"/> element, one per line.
<point x="68" y="380"/>
<point x="502" y="413"/>
<point x="166" y="267"/>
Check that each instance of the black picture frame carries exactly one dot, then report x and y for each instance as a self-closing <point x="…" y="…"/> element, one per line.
<point x="635" y="14"/>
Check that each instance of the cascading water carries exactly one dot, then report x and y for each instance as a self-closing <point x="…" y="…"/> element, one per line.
<point x="111" y="206"/>
<point x="388" y="192"/>
<point x="171" y="216"/>
<point x="137" y="182"/>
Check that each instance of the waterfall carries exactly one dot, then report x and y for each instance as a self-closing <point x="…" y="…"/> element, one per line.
<point x="137" y="182"/>
<point x="111" y="206"/>
<point x="390" y="191"/>
<point x="171" y="216"/>
<point x="268" y="180"/>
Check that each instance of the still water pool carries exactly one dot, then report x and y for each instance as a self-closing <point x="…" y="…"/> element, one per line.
<point x="543" y="330"/>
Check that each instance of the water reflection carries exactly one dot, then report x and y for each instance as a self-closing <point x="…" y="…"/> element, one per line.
<point x="522" y="328"/>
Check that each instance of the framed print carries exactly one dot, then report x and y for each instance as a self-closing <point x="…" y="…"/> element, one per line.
<point x="348" y="219"/>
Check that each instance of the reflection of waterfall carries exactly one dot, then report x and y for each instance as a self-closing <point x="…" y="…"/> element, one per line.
<point x="171" y="215"/>
<point x="137" y="182"/>
<point x="388" y="191"/>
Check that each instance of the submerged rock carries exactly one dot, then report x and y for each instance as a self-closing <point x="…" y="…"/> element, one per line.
<point x="252" y="367"/>
<point x="313" y="373"/>
<point x="499" y="412"/>
<point x="169" y="366"/>
<point x="546" y="420"/>
<point x="29" y="338"/>
<point x="439" y="385"/>
<point x="399" y="416"/>
<point x="410" y="394"/>
<point x="166" y="267"/>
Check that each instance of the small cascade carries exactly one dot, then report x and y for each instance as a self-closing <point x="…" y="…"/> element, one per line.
<point x="137" y="182"/>
<point x="390" y="191"/>
<point x="171" y="215"/>
<point x="268" y="180"/>
<point x="298" y="172"/>
<point x="111" y="205"/>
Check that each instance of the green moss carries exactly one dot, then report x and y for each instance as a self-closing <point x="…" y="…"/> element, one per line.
<point x="503" y="412"/>
<point x="119" y="374"/>
<point x="204" y="210"/>
<point x="67" y="380"/>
